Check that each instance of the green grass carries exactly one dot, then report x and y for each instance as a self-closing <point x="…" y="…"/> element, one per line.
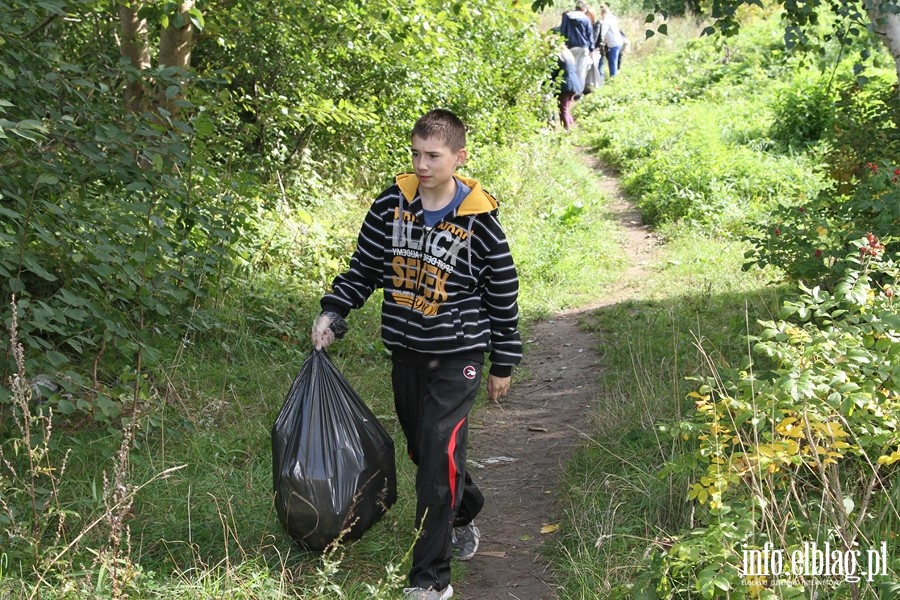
<point x="689" y="131"/>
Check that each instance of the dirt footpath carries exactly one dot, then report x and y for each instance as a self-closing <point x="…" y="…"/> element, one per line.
<point x="519" y="449"/>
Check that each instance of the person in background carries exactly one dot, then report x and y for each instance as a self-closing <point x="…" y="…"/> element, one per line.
<point x="433" y="242"/>
<point x="610" y="38"/>
<point x="577" y="29"/>
<point x="626" y="44"/>
<point x="594" y="78"/>
<point x="569" y="87"/>
<point x="595" y="20"/>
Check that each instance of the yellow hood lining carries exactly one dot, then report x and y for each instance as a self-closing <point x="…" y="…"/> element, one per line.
<point x="478" y="201"/>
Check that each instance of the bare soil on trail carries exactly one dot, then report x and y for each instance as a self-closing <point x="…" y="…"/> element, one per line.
<point x="519" y="448"/>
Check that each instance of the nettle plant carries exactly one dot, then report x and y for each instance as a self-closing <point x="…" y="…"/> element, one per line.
<point x="802" y="452"/>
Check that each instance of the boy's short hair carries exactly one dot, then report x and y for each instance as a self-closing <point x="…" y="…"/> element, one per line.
<point x="443" y="125"/>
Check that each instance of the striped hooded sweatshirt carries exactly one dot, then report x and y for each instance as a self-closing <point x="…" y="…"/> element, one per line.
<point x="449" y="289"/>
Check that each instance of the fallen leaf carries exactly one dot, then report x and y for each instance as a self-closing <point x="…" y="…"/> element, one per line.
<point x="549" y="528"/>
<point x="494" y="554"/>
<point x="537" y="428"/>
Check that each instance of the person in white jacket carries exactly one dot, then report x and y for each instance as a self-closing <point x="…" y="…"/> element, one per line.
<point x="611" y="39"/>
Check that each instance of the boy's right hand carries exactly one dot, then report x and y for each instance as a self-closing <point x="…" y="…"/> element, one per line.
<point x="322" y="336"/>
<point x="327" y="327"/>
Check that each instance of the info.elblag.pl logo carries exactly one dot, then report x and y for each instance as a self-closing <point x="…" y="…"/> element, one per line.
<point x="812" y="561"/>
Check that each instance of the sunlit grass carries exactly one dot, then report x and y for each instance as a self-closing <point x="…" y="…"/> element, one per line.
<point x="555" y="215"/>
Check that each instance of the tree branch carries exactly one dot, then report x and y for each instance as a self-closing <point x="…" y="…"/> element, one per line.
<point x="41" y="26"/>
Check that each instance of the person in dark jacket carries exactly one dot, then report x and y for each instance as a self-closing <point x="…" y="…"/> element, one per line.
<point x="578" y="30"/>
<point x="569" y="87"/>
<point x="434" y="243"/>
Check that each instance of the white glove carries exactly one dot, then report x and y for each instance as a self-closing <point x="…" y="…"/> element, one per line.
<point x="322" y="335"/>
<point x="327" y="327"/>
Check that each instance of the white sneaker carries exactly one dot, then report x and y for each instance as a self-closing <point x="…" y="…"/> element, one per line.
<point x="430" y="594"/>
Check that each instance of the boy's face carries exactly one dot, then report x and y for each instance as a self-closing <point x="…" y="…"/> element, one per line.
<point x="434" y="161"/>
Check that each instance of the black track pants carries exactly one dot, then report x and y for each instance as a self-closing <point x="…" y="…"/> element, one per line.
<point x="432" y="396"/>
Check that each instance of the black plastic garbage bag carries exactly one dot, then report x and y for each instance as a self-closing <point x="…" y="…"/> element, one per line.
<point x="332" y="461"/>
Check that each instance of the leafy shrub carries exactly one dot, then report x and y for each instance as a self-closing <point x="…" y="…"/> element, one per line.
<point x="346" y="82"/>
<point x="800" y="452"/>
<point x="808" y="241"/>
<point x="113" y="228"/>
<point x="804" y="113"/>
<point x="866" y="128"/>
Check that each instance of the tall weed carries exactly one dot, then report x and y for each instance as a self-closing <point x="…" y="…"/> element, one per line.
<point x="803" y="112"/>
<point x="50" y="545"/>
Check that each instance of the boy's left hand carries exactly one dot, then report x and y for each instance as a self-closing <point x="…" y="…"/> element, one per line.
<point x="497" y="387"/>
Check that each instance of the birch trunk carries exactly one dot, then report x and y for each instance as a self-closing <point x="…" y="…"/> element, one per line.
<point x="175" y="49"/>
<point x="886" y="25"/>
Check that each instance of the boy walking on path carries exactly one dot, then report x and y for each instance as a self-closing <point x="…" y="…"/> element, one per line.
<point x="433" y="242"/>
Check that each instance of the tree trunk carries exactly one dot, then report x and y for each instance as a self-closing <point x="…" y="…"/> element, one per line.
<point x="175" y="45"/>
<point x="175" y="42"/>
<point x="135" y="46"/>
<point x="886" y="25"/>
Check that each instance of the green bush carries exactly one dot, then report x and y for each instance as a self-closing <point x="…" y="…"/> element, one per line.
<point x="344" y="83"/>
<point x="801" y="452"/>
<point x="807" y="241"/>
<point x="858" y="140"/>
<point x="804" y="113"/>
<point x="866" y="129"/>
<point x="112" y="227"/>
